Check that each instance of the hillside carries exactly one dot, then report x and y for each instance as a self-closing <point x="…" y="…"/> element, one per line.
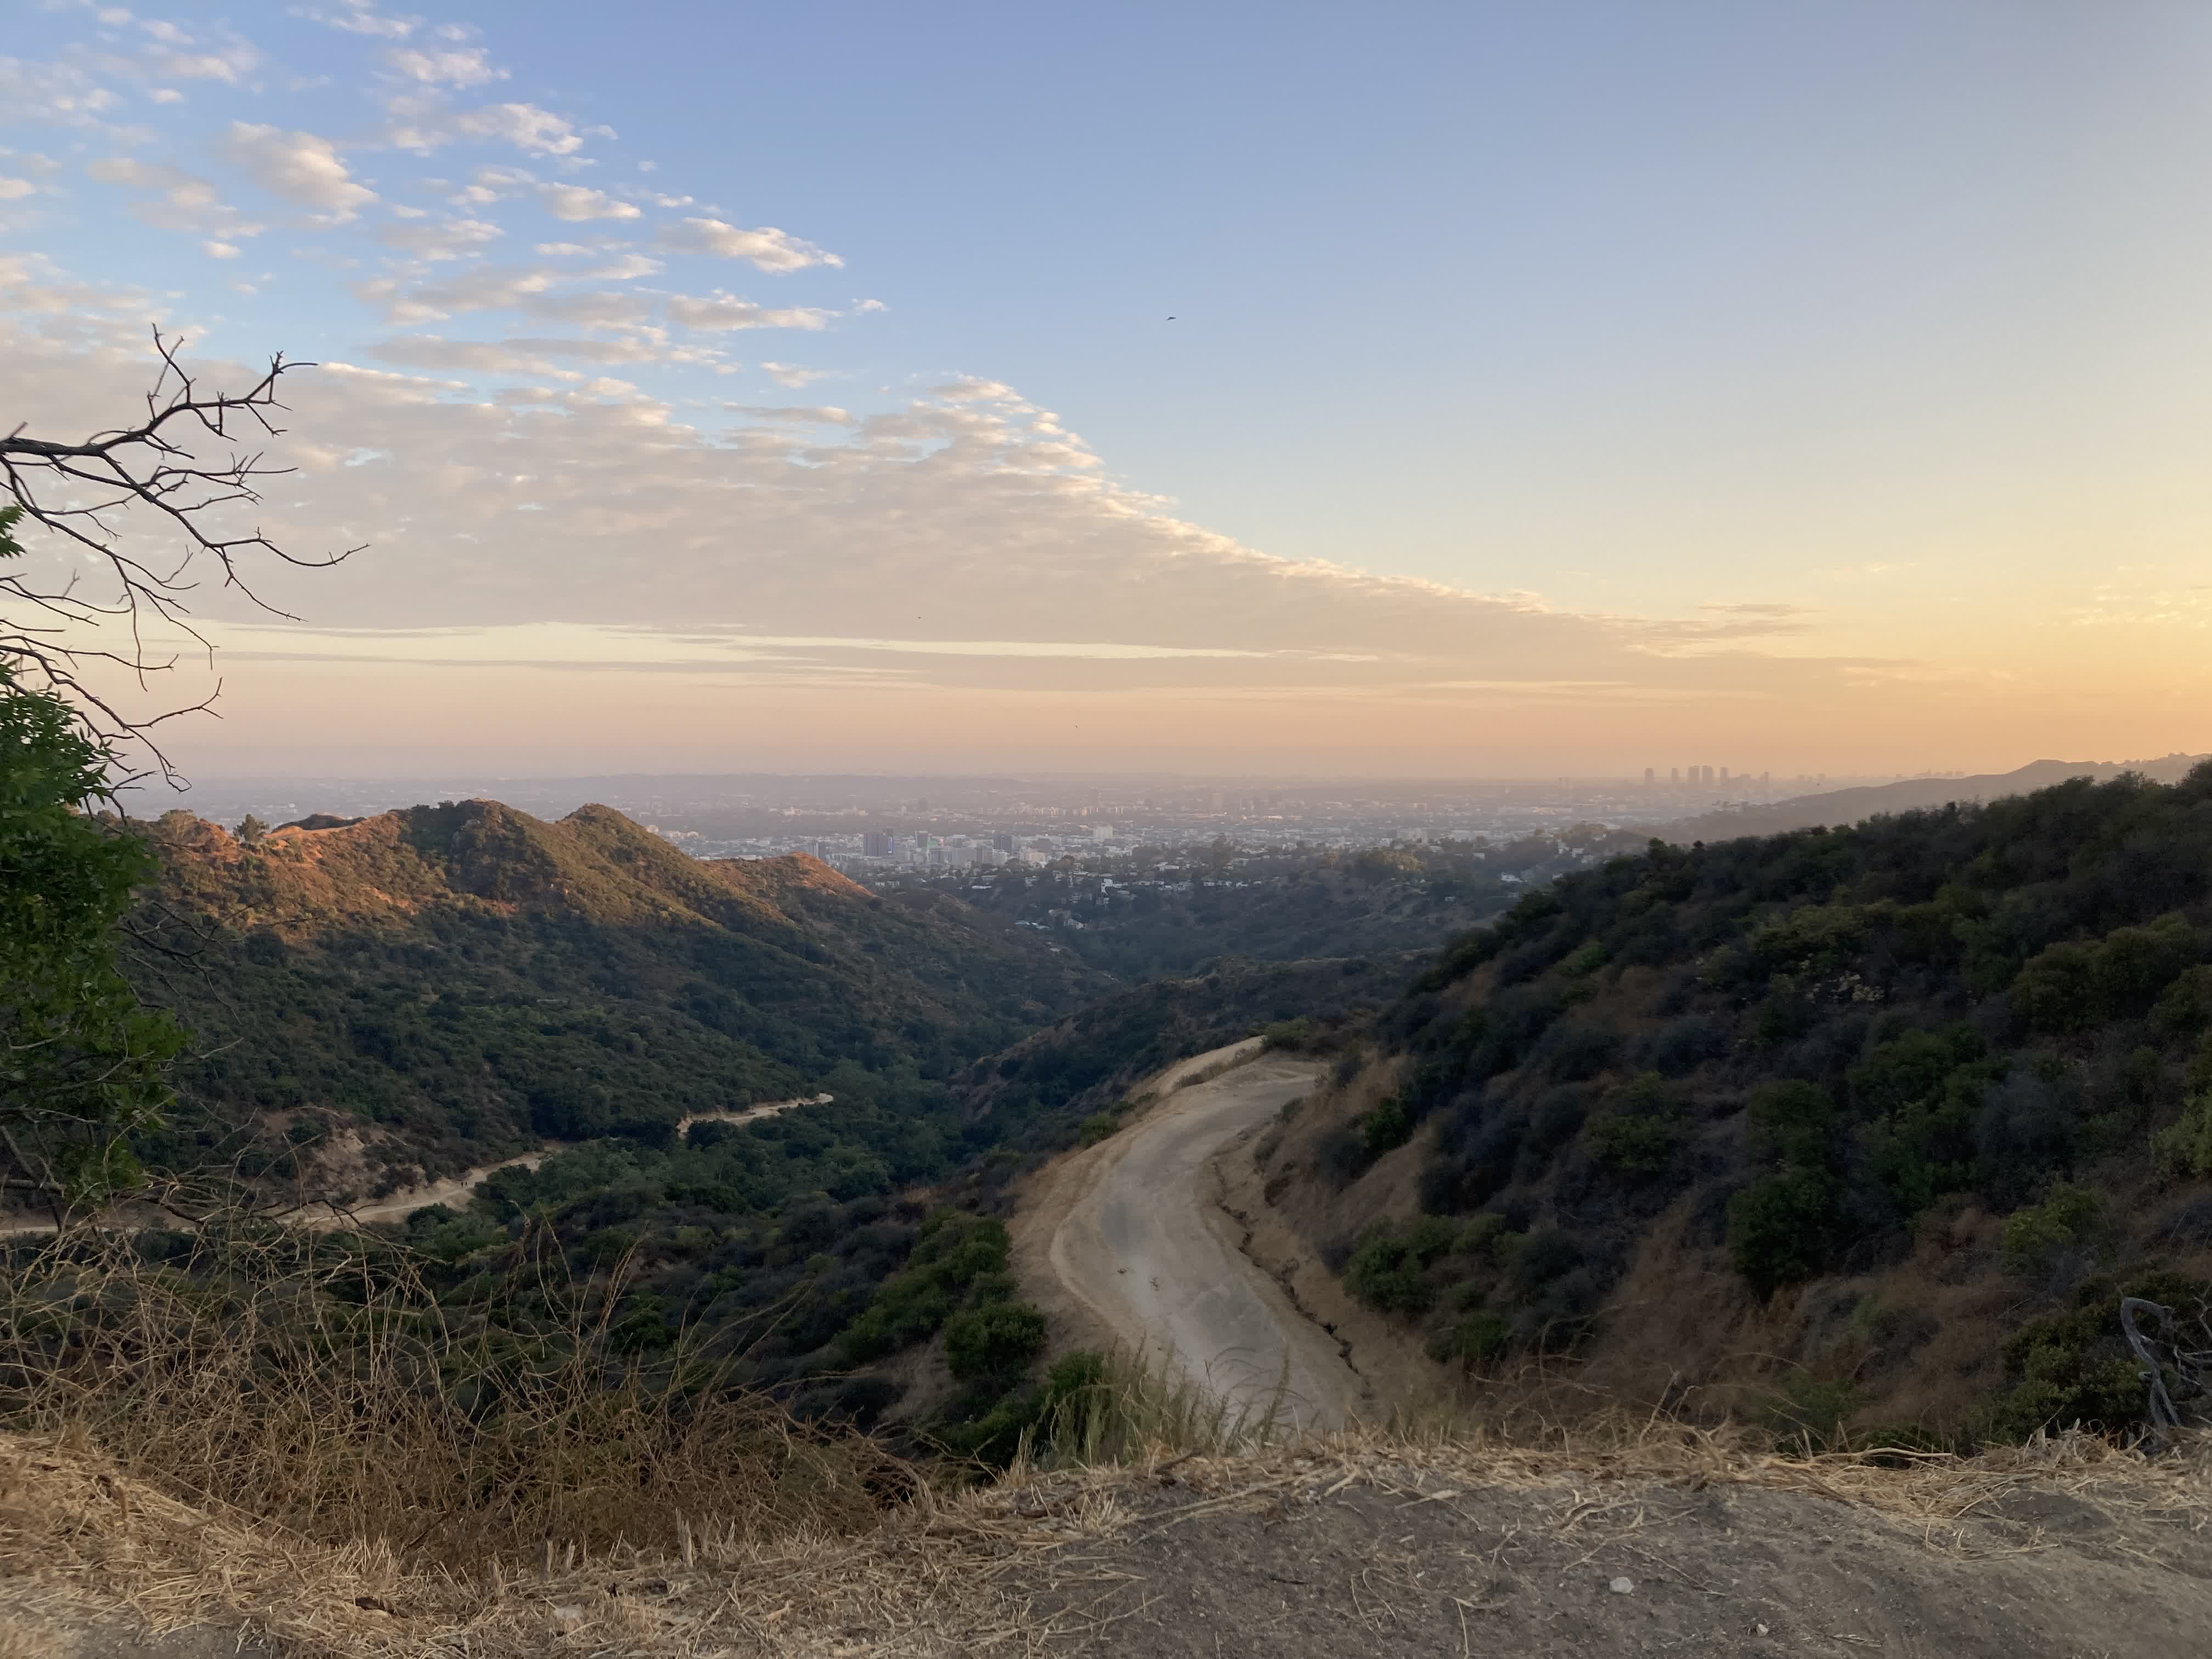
<point x="1844" y="1128"/>
<point x="449" y="983"/>
<point x="1035" y="1093"/>
<point x="1835" y="807"/>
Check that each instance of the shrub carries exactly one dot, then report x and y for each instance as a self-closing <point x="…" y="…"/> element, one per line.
<point x="1095" y="1127"/>
<point x="2074" y="1367"/>
<point x="2071" y="1217"/>
<point x="1784" y="1228"/>
<point x="1642" y="1129"/>
<point x="1478" y="1338"/>
<point x="1342" y="1156"/>
<point x="2184" y="1147"/>
<point x="1386" y="1273"/>
<point x="1795" y="1121"/>
<point x="1809" y="1413"/>
<point x="993" y="1343"/>
<point x="1292" y="1035"/>
<point x="1384" y="1129"/>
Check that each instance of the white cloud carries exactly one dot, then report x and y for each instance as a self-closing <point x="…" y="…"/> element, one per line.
<point x="448" y="67"/>
<point x="575" y="203"/>
<point x="790" y="375"/>
<point x="449" y="239"/>
<point x="361" y="17"/>
<point x="14" y="190"/>
<point x="172" y="199"/>
<point x="300" y="168"/>
<point x="166" y="95"/>
<point x="528" y="128"/>
<point x="219" y="250"/>
<point x="767" y="248"/>
<point x="721" y="312"/>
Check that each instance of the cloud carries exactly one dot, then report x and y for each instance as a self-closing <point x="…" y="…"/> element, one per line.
<point x="574" y="202"/>
<point x="14" y="190"/>
<point x="219" y="250"/>
<point x="445" y="67"/>
<point x="528" y="128"/>
<point x="719" y="313"/>
<point x="361" y="17"/>
<point x="528" y="288"/>
<point x="787" y="375"/>
<point x="299" y="167"/>
<point x="446" y="239"/>
<point x="766" y="248"/>
<point x="171" y="199"/>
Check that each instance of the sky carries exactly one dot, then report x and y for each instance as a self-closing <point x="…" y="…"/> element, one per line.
<point x="1438" y="389"/>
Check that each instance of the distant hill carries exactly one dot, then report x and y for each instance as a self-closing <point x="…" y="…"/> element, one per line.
<point x="461" y="981"/>
<point x="1840" y="807"/>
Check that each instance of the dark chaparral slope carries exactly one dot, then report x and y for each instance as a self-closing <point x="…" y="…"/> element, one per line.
<point x="1863" y="1127"/>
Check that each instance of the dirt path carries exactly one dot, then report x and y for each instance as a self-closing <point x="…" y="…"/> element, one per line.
<point x="1131" y="1233"/>
<point x="325" y="1217"/>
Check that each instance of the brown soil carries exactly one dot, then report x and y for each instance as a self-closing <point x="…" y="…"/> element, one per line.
<point x="1356" y="1546"/>
<point x="1410" y="1561"/>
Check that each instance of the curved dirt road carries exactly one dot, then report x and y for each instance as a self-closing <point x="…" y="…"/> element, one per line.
<point x="1142" y="1242"/>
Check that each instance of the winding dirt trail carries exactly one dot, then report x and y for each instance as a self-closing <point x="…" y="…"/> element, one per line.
<point x="326" y="1216"/>
<point x="1133" y="1230"/>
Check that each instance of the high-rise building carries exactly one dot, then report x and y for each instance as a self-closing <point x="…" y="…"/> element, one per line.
<point x="1724" y="775"/>
<point x="877" y="843"/>
<point x="1003" y="842"/>
<point x="1650" y="777"/>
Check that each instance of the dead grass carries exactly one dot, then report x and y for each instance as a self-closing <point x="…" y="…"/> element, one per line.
<point x="942" y="1574"/>
<point x="316" y="1388"/>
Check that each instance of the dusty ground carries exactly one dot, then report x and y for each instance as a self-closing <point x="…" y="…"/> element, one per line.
<point x="1668" y="1542"/>
<point x="1132" y="1231"/>
<point x="1412" y="1561"/>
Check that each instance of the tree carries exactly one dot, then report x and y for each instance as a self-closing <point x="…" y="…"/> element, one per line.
<point x="56" y="637"/>
<point x="81" y="1063"/>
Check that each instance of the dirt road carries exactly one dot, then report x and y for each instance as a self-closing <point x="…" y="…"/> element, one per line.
<point x="1133" y="1231"/>
<point x="323" y="1217"/>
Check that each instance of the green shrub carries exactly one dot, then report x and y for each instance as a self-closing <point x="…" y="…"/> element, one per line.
<point x="1473" y="1341"/>
<point x="1480" y="1234"/>
<point x="1386" y="1273"/>
<point x="2075" y="1367"/>
<point x="1384" y="1129"/>
<point x="2186" y="1005"/>
<point x="1795" y="1122"/>
<point x="993" y="1343"/>
<point x="1809" y="1413"/>
<point x="1642" y="1129"/>
<point x="1095" y="1127"/>
<point x="2072" y="1216"/>
<point x="2184" y="1148"/>
<point x="1784" y="1228"/>
<point x="1290" y="1035"/>
<point x="951" y="1254"/>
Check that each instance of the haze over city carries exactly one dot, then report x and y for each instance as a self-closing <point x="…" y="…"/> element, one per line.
<point x="1442" y="391"/>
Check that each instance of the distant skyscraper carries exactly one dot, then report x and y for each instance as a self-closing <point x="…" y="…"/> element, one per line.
<point x="877" y="843"/>
<point x="1724" y="775"/>
<point x="1650" y="777"/>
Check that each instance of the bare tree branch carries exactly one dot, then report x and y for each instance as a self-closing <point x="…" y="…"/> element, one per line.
<point x="77" y="491"/>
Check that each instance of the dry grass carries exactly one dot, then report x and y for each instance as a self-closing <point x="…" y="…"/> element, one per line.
<point x="941" y="1575"/>
<point x="315" y="1387"/>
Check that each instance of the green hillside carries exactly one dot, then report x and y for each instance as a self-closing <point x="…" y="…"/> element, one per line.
<point x="458" y="981"/>
<point x="1883" y="1118"/>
